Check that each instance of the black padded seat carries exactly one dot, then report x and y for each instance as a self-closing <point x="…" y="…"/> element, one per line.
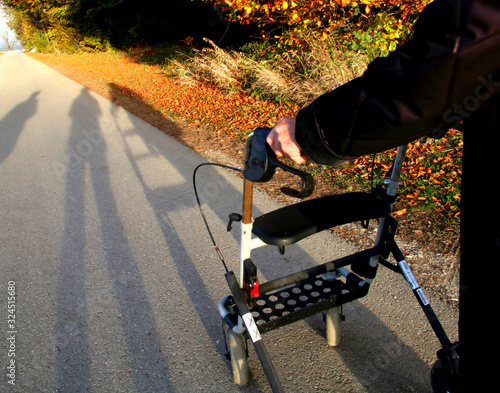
<point x="295" y="222"/>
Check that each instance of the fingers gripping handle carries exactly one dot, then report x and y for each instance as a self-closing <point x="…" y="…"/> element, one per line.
<point x="261" y="163"/>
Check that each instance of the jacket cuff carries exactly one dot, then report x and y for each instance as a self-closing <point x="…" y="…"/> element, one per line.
<point x="309" y="137"/>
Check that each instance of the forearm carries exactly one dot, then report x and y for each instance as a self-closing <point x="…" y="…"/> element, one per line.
<point x="452" y="61"/>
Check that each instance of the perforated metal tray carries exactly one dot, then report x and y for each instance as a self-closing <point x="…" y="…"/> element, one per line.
<point x="295" y="302"/>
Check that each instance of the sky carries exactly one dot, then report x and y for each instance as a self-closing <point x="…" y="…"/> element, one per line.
<point x="3" y="21"/>
<point x="3" y="27"/>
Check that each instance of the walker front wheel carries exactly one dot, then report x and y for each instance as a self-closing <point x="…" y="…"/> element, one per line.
<point x="238" y="353"/>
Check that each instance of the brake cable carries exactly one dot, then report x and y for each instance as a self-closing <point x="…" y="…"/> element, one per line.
<point x="217" y="250"/>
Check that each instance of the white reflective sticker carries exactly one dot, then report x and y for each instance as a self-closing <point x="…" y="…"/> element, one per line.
<point x="405" y="269"/>
<point x="422" y="297"/>
<point x="252" y="328"/>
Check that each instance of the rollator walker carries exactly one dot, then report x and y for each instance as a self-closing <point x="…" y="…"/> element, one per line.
<point x="253" y="308"/>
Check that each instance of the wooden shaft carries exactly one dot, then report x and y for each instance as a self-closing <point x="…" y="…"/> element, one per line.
<point x="247" y="201"/>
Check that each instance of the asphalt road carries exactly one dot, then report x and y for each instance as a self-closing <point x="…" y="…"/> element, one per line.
<point x="114" y="277"/>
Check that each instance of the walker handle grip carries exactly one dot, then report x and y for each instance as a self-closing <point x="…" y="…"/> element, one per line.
<point x="261" y="163"/>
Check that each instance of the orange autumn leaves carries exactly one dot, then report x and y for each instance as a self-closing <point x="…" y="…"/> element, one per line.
<point x="372" y="27"/>
<point x="431" y="174"/>
<point x="316" y="15"/>
<point x="225" y="114"/>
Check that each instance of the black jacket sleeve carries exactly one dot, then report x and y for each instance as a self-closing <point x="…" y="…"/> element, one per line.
<point x="446" y="72"/>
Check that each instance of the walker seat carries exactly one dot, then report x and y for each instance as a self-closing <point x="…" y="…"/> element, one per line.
<point x="295" y="222"/>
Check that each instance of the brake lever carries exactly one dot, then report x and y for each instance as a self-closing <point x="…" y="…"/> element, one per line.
<point x="261" y="164"/>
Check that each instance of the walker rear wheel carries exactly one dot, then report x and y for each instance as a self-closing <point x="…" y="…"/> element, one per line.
<point x="238" y="352"/>
<point x="333" y="318"/>
<point x="441" y="380"/>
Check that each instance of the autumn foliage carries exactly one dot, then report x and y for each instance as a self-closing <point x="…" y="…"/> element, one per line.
<point x="380" y="24"/>
<point x="371" y="26"/>
<point x="65" y="26"/>
<point x="318" y="15"/>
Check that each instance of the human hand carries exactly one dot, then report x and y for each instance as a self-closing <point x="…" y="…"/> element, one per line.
<point x="282" y="140"/>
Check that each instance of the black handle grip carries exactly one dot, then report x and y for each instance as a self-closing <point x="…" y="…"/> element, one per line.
<point x="261" y="164"/>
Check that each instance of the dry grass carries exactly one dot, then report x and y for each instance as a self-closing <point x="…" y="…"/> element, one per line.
<point x="213" y="66"/>
<point x="296" y="76"/>
<point x="326" y="69"/>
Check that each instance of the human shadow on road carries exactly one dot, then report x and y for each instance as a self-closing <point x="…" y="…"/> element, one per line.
<point x="12" y="124"/>
<point x="87" y="178"/>
<point x="167" y="204"/>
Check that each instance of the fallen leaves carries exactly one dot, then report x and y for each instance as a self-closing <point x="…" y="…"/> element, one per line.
<point x="230" y="114"/>
<point x="431" y="173"/>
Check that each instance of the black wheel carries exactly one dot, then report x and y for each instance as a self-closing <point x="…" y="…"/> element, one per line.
<point x="441" y="378"/>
